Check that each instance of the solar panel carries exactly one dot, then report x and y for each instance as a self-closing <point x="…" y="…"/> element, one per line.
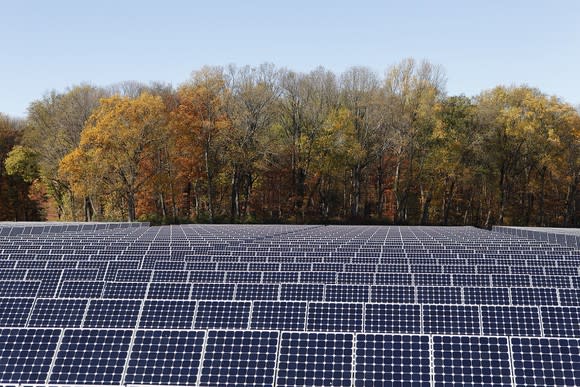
<point x="62" y="313"/>
<point x="128" y="290"/>
<point x="14" y="311"/>
<point x="471" y="361"/>
<point x="334" y="316"/>
<point x="165" y="357"/>
<point x="278" y="315"/>
<point x="392" y="318"/>
<point x="112" y="314"/>
<point x="222" y="315"/>
<point x="257" y="292"/>
<point x="438" y="295"/>
<point x="315" y="359"/>
<point x="546" y="361"/>
<point x="91" y="356"/>
<point x="81" y="289"/>
<point x="347" y="293"/>
<point x="302" y="292"/>
<point x="239" y="358"/>
<point x="169" y="290"/>
<point x="26" y="354"/>
<point x="167" y="314"/>
<point x="451" y="319"/>
<point x="510" y="321"/>
<point x="392" y="360"/>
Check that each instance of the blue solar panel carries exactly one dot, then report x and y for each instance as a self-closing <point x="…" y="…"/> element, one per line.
<point x="347" y="293"/>
<point x="65" y="313"/>
<point x="302" y="292"/>
<point x="14" y="311"/>
<point x="222" y="315"/>
<point x="392" y="360"/>
<point x="333" y="316"/>
<point x="19" y="288"/>
<point x="91" y="356"/>
<point x="471" y="361"/>
<point x="279" y="315"/>
<point x="26" y="354"/>
<point x="128" y="290"/>
<point x="438" y="295"/>
<point x="560" y="321"/>
<point x="81" y="289"/>
<point x="510" y="321"/>
<point x="257" y="292"/>
<point x="397" y="294"/>
<point x="534" y="296"/>
<point x="546" y="362"/>
<point x="239" y="358"/>
<point x="486" y="296"/>
<point x="219" y="291"/>
<point x="393" y="318"/>
<point x="451" y="319"/>
<point x="167" y="314"/>
<point x="569" y="297"/>
<point x="165" y="357"/>
<point x="169" y="290"/>
<point x="315" y="359"/>
<point x="112" y="314"/>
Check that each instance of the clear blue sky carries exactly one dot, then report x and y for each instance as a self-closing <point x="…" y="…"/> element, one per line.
<point x="55" y="44"/>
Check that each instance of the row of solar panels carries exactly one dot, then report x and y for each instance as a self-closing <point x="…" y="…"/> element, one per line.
<point x="41" y="278"/>
<point x="302" y="292"/>
<point x="265" y="358"/>
<point x="181" y="271"/>
<point x="489" y="320"/>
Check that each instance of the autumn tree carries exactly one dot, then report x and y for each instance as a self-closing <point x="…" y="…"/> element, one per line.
<point x="120" y="136"/>
<point x="197" y="125"/>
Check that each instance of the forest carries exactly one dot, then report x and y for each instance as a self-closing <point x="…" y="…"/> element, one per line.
<point x="263" y="144"/>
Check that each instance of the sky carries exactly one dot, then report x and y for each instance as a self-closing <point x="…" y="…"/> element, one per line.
<point x="53" y="45"/>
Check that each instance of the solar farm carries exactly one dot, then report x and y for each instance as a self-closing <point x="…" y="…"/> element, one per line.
<point x="217" y="305"/>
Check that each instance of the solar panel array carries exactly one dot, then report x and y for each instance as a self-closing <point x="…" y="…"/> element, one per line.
<point x="287" y="305"/>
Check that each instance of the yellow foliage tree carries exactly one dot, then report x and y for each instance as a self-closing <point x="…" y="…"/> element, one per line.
<point x="120" y="137"/>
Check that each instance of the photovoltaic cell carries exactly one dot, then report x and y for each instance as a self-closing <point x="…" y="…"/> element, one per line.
<point x="315" y="359"/>
<point x="392" y="360"/>
<point x="91" y="356"/>
<point x="471" y="361"/>
<point x="26" y="354"/>
<point x="165" y="357"/>
<point x="239" y="358"/>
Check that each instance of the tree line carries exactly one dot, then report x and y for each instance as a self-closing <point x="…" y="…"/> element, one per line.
<point x="267" y="144"/>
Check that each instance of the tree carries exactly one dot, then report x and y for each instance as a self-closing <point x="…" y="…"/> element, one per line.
<point x="120" y="136"/>
<point x="198" y="124"/>
<point x="54" y="126"/>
